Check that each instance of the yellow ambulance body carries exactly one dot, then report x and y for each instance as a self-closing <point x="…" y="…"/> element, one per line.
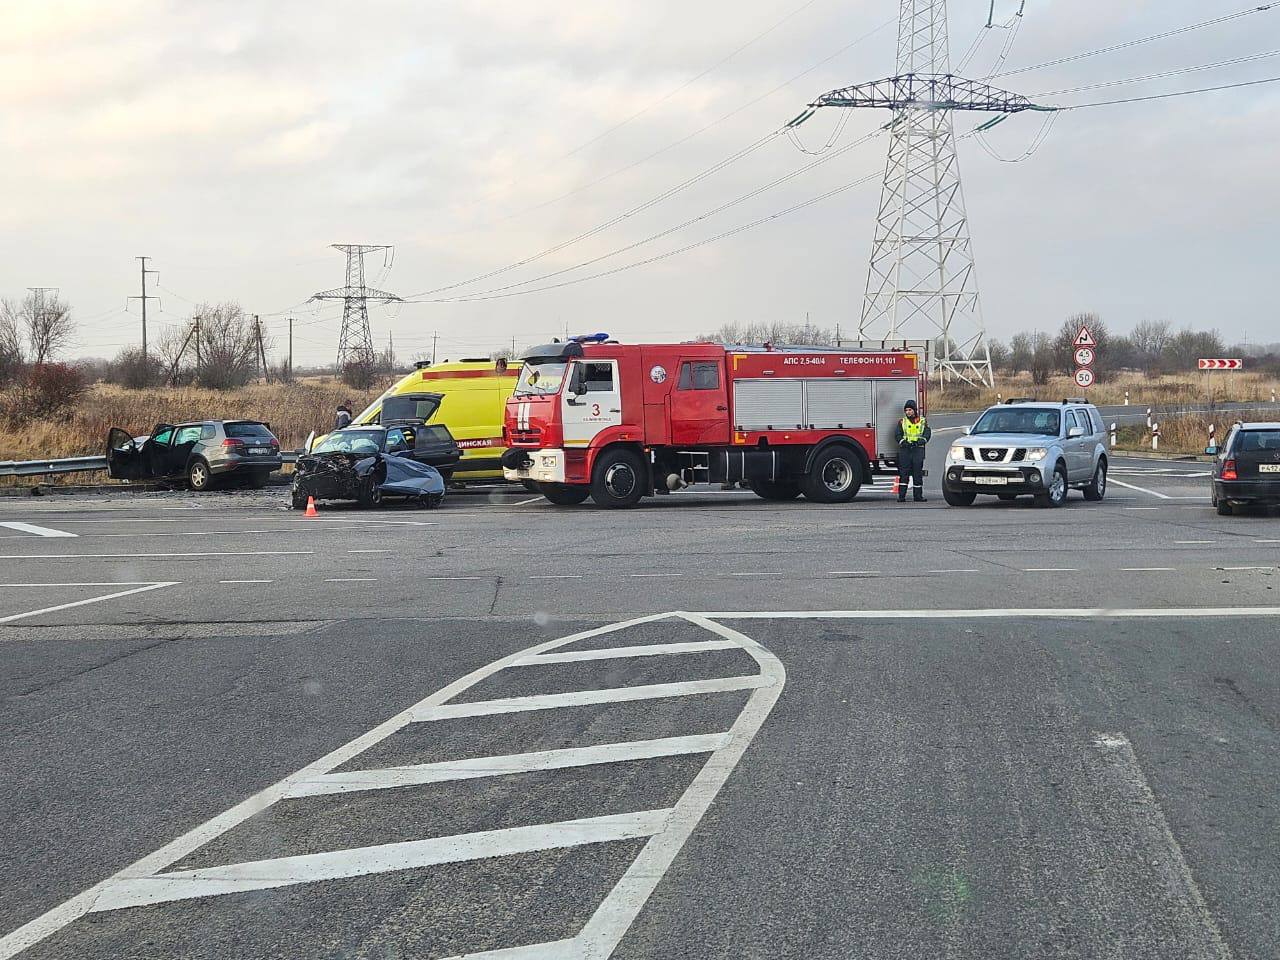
<point x="467" y="396"/>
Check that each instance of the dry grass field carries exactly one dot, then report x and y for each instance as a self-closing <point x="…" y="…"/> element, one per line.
<point x="1143" y="391"/>
<point x="293" y="410"/>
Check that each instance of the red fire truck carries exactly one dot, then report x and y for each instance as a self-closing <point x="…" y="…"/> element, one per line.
<point x="618" y="422"/>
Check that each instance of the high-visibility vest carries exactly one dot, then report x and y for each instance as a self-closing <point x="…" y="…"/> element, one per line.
<point x="912" y="432"/>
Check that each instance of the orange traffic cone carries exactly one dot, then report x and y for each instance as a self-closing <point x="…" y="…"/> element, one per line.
<point x="311" y="507"/>
<point x="896" y="481"/>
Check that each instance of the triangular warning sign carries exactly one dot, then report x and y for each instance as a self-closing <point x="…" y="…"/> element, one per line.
<point x="1085" y="339"/>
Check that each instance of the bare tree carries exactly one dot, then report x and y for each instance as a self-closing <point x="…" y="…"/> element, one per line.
<point x="177" y="365"/>
<point x="49" y="327"/>
<point x="12" y="355"/>
<point x="228" y="346"/>
<point x="1150" y="338"/>
<point x="1043" y="357"/>
<point x="775" y="332"/>
<point x="1020" y="352"/>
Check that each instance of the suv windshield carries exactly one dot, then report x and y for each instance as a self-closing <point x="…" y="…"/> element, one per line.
<point x="1019" y="420"/>
<point x="540" y="379"/>
<point x="351" y="441"/>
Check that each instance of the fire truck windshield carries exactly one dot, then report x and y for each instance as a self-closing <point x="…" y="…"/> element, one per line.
<point x="540" y="379"/>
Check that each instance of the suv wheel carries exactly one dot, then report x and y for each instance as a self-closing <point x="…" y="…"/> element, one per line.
<point x="198" y="476"/>
<point x="836" y="476"/>
<point x="1097" y="487"/>
<point x="1056" y="495"/>
<point x="617" y="480"/>
<point x="1224" y="508"/>
<point x="958" y="498"/>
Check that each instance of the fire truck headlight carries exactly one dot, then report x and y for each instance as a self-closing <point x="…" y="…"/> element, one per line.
<point x="549" y="461"/>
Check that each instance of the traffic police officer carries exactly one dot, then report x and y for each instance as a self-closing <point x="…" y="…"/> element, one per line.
<point x="912" y="433"/>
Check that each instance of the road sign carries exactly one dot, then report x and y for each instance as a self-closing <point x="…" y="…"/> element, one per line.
<point x="1218" y="363"/>
<point x="1084" y="377"/>
<point x="1084" y="338"/>
<point x="1084" y="357"/>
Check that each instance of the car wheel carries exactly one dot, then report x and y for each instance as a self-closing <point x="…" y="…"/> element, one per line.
<point x="958" y="498"/>
<point x="298" y="499"/>
<point x="562" y="494"/>
<point x="617" y="480"/>
<point x="1224" y="508"/>
<point x="370" y="494"/>
<point x="428" y="501"/>
<point x="1097" y="488"/>
<point x="1056" y="495"/>
<point x="198" y="476"/>
<point x="779" y="490"/>
<point x="835" y="477"/>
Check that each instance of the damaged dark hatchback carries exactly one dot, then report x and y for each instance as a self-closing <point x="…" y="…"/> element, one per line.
<point x="372" y="462"/>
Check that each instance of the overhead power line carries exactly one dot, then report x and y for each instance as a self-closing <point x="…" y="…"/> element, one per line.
<point x="1178" y="71"/>
<point x="1179" y="93"/>
<point x="1141" y="40"/>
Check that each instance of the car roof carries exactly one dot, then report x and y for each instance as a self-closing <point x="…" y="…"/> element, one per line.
<point x="1260" y="425"/>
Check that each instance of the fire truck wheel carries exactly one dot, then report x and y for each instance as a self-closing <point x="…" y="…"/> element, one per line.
<point x="563" y="495"/>
<point x="836" y="476"/>
<point x="616" y="480"/>
<point x="775" y="489"/>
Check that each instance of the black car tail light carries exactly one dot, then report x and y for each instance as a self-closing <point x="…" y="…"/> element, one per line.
<point x="1229" y="470"/>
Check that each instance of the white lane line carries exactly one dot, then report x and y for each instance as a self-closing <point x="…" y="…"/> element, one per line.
<point x="137" y="556"/>
<point x="33" y="528"/>
<point x="1050" y="570"/>
<point x="1186" y="542"/>
<point x="1140" y="508"/>
<point x="81" y="603"/>
<point x="556" y="576"/>
<point x="853" y="573"/>
<point x="640" y="650"/>
<point x="554" y="701"/>
<point x="91" y="583"/>
<point x="351" y="580"/>
<point x="245" y="581"/>
<point x="1131" y="486"/>
<point x="370" y="551"/>
<point x="362" y="861"/>
<point x="655" y="574"/>
<point x="1178" y="872"/>
<point x="1266" y="541"/>
<point x="956" y="570"/>
<point x="523" y="503"/>
<point x="1244" y="568"/>
<point x="1001" y="613"/>
<point x="1146" y="569"/>
<point x="473" y="768"/>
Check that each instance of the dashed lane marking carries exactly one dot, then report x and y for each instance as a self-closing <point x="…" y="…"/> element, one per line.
<point x="154" y="556"/>
<point x="555" y="576"/>
<point x="351" y="580"/>
<point x="1133" y="486"/>
<point x="1050" y="570"/>
<point x="956" y="570"/>
<point x="150" y="881"/>
<point x="1000" y="613"/>
<point x="1144" y="508"/>
<point x="1146" y="569"/>
<point x="246" y="581"/>
<point x="34" y="529"/>
<point x="1188" y="542"/>
<point x="655" y="575"/>
<point x="81" y="603"/>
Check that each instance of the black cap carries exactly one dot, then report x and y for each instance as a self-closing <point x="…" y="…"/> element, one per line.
<point x="910" y="405"/>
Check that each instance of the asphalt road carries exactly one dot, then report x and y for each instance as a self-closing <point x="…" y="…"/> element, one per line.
<point x="708" y="727"/>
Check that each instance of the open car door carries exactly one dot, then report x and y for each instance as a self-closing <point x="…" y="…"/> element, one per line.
<point x="124" y="458"/>
<point x="434" y="445"/>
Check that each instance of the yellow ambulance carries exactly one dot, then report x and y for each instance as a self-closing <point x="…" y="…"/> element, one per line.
<point x="467" y="396"/>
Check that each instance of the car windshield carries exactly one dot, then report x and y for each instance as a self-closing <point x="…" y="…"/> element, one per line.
<point x="351" y="441"/>
<point x="540" y="379"/>
<point x="1255" y="441"/>
<point x="1019" y="420"/>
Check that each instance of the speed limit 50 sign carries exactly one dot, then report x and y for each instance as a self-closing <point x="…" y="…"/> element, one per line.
<point x="1084" y="377"/>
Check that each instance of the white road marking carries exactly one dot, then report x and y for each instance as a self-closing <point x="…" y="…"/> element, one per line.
<point x="1050" y="570"/>
<point x="999" y="613"/>
<point x="153" y="556"/>
<point x="1185" y="542"/>
<point x="1266" y="541"/>
<point x="391" y="777"/>
<point x="1141" y="508"/>
<point x="246" y="581"/>
<point x="640" y="650"/>
<point x="556" y="576"/>
<point x="32" y="528"/>
<point x="80" y="603"/>
<point x="523" y="503"/>
<point x="143" y="882"/>
<point x="91" y="583"/>
<point x="351" y="580"/>
<point x="362" y="861"/>
<point x="579" y="698"/>
<point x="1146" y="569"/>
<point x="655" y="574"/>
<point x="1244" y="568"/>
<point x="853" y="573"/>
<point x="1144" y="799"/>
<point x="956" y="570"/>
<point x="1131" y="486"/>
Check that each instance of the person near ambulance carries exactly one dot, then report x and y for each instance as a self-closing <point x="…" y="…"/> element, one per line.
<point x="912" y="433"/>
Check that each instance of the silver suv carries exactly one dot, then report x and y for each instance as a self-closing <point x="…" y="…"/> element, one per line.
<point x="1025" y="447"/>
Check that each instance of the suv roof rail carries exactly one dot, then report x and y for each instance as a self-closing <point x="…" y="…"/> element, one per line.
<point x="1022" y="400"/>
<point x="1066" y="400"/>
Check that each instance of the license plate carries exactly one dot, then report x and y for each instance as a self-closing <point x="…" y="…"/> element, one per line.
<point x="255" y="450"/>
<point x="991" y="481"/>
<point x="1269" y="468"/>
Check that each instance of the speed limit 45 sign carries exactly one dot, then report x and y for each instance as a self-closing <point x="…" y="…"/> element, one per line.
<point x="1084" y="357"/>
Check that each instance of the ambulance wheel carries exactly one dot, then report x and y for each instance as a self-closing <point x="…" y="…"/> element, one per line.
<point x="617" y="480"/>
<point x="836" y="476"/>
<point x="561" y="494"/>
<point x="775" y="489"/>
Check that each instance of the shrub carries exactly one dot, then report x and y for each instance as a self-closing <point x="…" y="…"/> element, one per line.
<point x="130" y="369"/>
<point x="45" y="391"/>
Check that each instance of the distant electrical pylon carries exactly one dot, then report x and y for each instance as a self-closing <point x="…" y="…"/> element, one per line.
<point x="921" y="279"/>
<point x="355" y="343"/>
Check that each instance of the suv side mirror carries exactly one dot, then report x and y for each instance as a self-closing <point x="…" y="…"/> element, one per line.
<point x="1075" y="432"/>
<point x="967" y="430"/>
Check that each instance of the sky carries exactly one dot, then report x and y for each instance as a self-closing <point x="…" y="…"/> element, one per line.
<point x="233" y="142"/>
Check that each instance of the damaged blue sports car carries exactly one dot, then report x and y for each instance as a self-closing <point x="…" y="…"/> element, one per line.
<point x="371" y="463"/>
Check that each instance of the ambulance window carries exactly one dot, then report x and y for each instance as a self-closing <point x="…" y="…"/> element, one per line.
<point x="704" y="375"/>
<point x="598" y="377"/>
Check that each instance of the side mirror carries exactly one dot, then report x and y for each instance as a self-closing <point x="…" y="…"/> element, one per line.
<point x="1075" y="432"/>
<point x="967" y="430"/>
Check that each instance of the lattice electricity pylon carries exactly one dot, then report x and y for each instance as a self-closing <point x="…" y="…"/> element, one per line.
<point x="921" y="280"/>
<point x="355" y="343"/>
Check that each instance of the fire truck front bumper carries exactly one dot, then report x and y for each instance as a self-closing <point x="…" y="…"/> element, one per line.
<point x="540" y="466"/>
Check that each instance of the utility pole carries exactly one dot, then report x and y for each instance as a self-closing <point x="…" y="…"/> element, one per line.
<point x="435" y="335"/>
<point x="355" y="343"/>
<point x="262" y="353"/>
<point x="921" y="279"/>
<point x="144" y="297"/>
<point x="198" y="335"/>
<point x="290" y="364"/>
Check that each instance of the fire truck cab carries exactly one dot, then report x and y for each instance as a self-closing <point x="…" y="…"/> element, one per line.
<point x="618" y="422"/>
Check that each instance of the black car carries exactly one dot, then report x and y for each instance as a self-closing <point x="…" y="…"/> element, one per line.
<point x="1247" y="470"/>
<point x="201" y="453"/>
<point x="369" y="462"/>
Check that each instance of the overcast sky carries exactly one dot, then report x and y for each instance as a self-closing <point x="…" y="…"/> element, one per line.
<point x="232" y="142"/>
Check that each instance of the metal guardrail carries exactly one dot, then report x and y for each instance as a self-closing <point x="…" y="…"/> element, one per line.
<point x="40" y="468"/>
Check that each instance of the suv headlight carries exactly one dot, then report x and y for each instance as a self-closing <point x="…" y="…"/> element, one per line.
<point x="1037" y="453"/>
<point x="956" y="452"/>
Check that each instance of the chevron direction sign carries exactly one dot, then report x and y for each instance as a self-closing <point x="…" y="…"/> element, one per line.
<point x="1220" y="364"/>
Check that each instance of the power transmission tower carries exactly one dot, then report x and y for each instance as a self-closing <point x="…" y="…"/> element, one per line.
<point x="921" y="280"/>
<point x="144" y="297"/>
<point x="355" y="343"/>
